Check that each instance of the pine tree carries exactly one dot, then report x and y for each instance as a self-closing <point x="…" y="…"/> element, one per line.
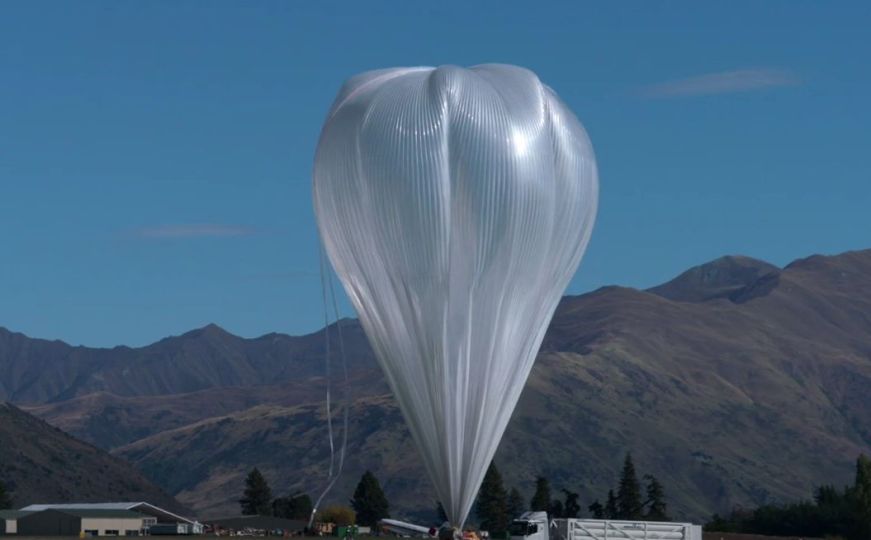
<point x="297" y="506"/>
<point x="556" y="509"/>
<point x="861" y="496"/>
<point x="257" y="499"/>
<point x="629" y="504"/>
<point x="571" y="507"/>
<point x="5" y="499"/>
<point x="597" y="510"/>
<point x="369" y="501"/>
<point x="611" y="511"/>
<point x="541" y="499"/>
<point x="492" y="505"/>
<point x="658" y="510"/>
<point x="516" y="504"/>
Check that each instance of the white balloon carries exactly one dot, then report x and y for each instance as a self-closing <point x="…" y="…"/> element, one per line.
<point x="455" y="205"/>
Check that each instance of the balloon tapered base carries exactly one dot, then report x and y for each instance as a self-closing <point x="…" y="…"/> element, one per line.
<point x="450" y="533"/>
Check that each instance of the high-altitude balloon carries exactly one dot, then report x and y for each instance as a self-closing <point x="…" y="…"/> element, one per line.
<point x="454" y="205"/>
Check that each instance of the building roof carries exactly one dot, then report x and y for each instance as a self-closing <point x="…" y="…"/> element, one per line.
<point x="143" y="507"/>
<point x="90" y="513"/>
<point x="13" y="514"/>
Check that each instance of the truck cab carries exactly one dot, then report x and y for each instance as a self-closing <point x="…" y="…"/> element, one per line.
<point x="530" y="526"/>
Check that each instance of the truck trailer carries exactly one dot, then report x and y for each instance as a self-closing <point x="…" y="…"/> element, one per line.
<point x="537" y="526"/>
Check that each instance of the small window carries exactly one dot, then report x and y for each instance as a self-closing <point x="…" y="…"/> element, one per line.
<point x="92" y="532"/>
<point x="110" y="532"/>
<point x="129" y="532"/>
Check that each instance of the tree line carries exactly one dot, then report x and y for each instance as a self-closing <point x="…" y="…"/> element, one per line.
<point x="628" y="502"/>
<point x="368" y="505"/>
<point x="832" y="512"/>
<point x="496" y="506"/>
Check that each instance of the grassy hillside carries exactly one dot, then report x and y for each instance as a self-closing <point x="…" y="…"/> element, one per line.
<point x="41" y="464"/>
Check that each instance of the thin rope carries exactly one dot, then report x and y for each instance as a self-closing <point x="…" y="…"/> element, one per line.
<point x="328" y="290"/>
<point x="346" y="404"/>
<point x="327" y="358"/>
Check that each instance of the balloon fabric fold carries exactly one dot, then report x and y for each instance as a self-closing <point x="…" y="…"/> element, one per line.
<point x="455" y="205"/>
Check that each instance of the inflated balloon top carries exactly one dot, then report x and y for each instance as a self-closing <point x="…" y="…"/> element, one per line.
<point x="455" y="205"/>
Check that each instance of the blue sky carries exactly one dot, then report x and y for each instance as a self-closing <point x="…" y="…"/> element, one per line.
<point x="155" y="156"/>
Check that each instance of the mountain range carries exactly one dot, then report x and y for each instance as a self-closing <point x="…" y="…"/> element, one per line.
<point x="736" y="383"/>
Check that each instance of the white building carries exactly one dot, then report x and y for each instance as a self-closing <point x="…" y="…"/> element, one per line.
<point x="71" y="522"/>
<point x="151" y="515"/>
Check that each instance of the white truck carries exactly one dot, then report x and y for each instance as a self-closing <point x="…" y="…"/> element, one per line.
<point x="536" y="526"/>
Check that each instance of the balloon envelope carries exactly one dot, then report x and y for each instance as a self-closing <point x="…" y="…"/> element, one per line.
<point x="455" y="205"/>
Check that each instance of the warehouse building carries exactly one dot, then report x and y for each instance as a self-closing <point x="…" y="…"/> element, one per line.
<point x="96" y="519"/>
<point x="72" y="522"/>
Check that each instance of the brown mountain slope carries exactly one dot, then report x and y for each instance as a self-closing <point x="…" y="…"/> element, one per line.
<point x="716" y="279"/>
<point x="109" y="421"/>
<point x="41" y="464"/>
<point x="736" y="383"/>
<point x="289" y="445"/>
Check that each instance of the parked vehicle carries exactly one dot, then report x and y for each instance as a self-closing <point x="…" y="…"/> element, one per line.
<point x="536" y="526"/>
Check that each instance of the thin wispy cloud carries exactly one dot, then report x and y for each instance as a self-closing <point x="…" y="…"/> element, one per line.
<point x="194" y="230"/>
<point x="724" y="82"/>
